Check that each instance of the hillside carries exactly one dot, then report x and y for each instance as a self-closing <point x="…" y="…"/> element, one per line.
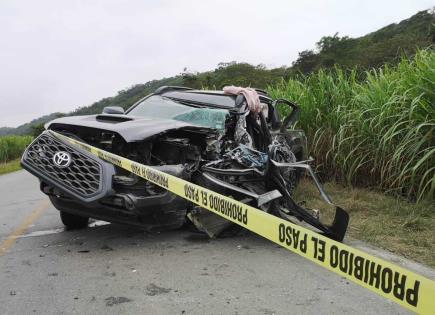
<point x="26" y="129"/>
<point x="373" y="50"/>
<point x="386" y="45"/>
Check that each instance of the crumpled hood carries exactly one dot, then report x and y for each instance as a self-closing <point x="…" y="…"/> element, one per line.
<point x="131" y="128"/>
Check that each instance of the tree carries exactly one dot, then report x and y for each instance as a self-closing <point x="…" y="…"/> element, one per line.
<point x="307" y="61"/>
<point x="36" y="130"/>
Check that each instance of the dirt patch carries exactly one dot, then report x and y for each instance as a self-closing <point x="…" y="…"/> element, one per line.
<point x="392" y="223"/>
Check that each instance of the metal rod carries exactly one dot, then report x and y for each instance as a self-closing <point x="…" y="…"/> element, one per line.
<point x="312" y="174"/>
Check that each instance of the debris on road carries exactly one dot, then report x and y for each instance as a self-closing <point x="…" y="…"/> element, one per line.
<point x="110" y="301"/>
<point x="153" y="290"/>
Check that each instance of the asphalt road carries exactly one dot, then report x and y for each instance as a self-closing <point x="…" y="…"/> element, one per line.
<point x="110" y="268"/>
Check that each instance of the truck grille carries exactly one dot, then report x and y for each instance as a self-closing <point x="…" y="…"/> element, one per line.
<point x="83" y="174"/>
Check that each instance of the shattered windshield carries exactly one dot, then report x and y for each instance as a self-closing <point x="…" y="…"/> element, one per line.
<point x="157" y="106"/>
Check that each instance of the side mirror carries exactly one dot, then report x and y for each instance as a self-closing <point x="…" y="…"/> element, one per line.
<point x="291" y="119"/>
<point x="113" y="110"/>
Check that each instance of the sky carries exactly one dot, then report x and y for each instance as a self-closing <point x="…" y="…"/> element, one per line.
<point x="58" y="55"/>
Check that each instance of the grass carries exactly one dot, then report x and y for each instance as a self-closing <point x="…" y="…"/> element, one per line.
<point x="374" y="129"/>
<point x="11" y="147"/>
<point x="11" y="166"/>
<point x="391" y="223"/>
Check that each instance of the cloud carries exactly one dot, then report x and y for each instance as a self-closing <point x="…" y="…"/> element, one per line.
<point x="58" y="55"/>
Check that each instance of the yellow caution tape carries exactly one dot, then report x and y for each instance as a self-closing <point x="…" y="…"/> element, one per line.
<point x="402" y="286"/>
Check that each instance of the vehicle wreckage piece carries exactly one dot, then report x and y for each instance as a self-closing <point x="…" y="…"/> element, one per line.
<point x="271" y="173"/>
<point x="210" y="138"/>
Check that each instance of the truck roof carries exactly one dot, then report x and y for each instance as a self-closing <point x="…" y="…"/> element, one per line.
<point x="212" y="97"/>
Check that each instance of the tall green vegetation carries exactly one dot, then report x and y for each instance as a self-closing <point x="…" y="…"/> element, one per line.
<point x="377" y="132"/>
<point x="11" y="147"/>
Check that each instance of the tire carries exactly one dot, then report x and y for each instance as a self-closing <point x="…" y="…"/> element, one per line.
<point x="73" y="221"/>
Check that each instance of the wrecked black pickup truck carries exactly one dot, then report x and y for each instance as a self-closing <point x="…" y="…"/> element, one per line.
<point x="211" y="138"/>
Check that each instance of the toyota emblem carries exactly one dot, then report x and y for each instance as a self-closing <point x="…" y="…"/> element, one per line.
<point x="62" y="159"/>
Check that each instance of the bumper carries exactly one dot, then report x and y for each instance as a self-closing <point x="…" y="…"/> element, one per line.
<point x="89" y="187"/>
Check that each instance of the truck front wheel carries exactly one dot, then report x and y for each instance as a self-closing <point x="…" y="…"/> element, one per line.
<point x="73" y="221"/>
